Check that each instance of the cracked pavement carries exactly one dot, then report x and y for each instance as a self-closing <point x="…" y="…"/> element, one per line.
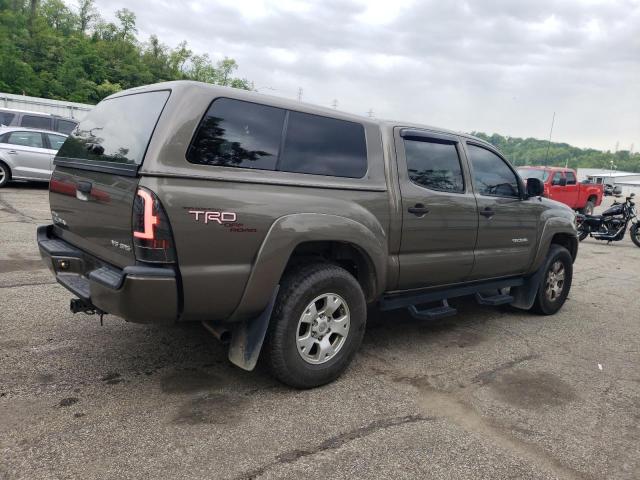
<point x="490" y="393"/>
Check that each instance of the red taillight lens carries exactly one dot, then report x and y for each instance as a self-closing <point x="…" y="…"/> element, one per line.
<point x="152" y="237"/>
<point x="149" y="220"/>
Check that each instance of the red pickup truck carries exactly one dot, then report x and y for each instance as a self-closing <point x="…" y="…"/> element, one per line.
<point x="561" y="184"/>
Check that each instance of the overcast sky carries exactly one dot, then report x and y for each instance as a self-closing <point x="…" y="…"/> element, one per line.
<point x="493" y="65"/>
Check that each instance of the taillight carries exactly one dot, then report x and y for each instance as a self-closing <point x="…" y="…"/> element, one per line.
<point x="152" y="238"/>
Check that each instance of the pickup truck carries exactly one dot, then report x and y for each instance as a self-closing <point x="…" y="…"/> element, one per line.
<point x="277" y="224"/>
<point x="561" y="185"/>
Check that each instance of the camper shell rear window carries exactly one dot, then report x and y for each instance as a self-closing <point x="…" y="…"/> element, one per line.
<point x="117" y="130"/>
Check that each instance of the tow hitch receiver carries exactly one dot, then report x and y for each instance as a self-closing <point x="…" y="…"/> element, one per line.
<point x="78" y="305"/>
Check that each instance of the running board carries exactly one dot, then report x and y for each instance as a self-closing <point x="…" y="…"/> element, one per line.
<point x="434" y="313"/>
<point x="404" y="300"/>
<point x="499" y="299"/>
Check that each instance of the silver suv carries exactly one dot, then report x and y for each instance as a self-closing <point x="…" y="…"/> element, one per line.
<point x="27" y="154"/>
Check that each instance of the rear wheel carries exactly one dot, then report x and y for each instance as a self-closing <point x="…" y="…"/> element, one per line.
<point x="5" y="174"/>
<point x="317" y="325"/>
<point x="556" y="281"/>
<point x="635" y="234"/>
<point x="588" y="208"/>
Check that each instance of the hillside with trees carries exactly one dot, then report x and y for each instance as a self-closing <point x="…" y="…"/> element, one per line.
<point x="50" y="50"/>
<point x="532" y="151"/>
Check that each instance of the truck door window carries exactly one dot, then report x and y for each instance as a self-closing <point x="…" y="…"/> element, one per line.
<point x="235" y="133"/>
<point x="434" y="165"/>
<point x="556" y="178"/>
<point x="571" y="178"/>
<point x="491" y="175"/>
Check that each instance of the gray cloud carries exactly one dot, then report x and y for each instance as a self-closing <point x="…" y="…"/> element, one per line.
<point x="491" y="65"/>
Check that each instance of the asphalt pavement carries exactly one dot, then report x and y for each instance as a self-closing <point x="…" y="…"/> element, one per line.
<point x="491" y="393"/>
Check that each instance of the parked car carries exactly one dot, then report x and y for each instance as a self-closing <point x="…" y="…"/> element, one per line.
<point x="27" y="154"/>
<point x="38" y="120"/>
<point x="608" y="190"/>
<point x="270" y="220"/>
<point x="561" y="185"/>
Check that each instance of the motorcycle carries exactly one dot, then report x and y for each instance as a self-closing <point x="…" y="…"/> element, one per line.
<point x="612" y="224"/>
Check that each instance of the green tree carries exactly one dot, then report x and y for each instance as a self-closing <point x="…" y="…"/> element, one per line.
<point x="50" y="50"/>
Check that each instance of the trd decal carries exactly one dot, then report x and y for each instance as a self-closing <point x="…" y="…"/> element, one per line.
<point x="212" y="216"/>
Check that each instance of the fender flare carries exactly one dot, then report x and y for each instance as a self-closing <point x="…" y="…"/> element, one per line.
<point x="552" y="227"/>
<point x="289" y="231"/>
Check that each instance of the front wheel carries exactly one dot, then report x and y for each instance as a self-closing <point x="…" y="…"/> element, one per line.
<point x="635" y="234"/>
<point x="5" y="174"/>
<point x="317" y="325"/>
<point x="556" y="281"/>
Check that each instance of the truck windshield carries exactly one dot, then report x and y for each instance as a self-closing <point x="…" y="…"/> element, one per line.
<point x="116" y="130"/>
<point x="540" y="174"/>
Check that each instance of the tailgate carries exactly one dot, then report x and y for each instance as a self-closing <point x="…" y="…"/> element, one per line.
<point x="94" y="182"/>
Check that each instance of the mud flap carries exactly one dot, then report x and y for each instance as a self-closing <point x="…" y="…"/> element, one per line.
<point x="525" y="294"/>
<point x="248" y="336"/>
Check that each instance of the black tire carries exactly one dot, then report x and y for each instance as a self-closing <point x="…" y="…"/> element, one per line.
<point x="543" y="304"/>
<point x="635" y="234"/>
<point x="5" y="174"/>
<point x="298" y="289"/>
<point x="588" y="208"/>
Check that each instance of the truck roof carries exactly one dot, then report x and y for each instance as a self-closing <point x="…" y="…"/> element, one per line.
<point x="290" y="104"/>
<point x="542" y="167"/>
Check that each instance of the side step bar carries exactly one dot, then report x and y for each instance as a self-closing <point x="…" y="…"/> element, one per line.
<point x="499" y="299"/>
<point x="433" y="313"/>
<point x="403" y="300"/>
<point x="412" y="300"/>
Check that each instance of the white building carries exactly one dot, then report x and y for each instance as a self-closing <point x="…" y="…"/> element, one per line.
<point x="629" y="181"/>
<point x="44" y="105"/>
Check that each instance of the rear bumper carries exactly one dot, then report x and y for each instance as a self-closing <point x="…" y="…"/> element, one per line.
<point x="139" y="294"/>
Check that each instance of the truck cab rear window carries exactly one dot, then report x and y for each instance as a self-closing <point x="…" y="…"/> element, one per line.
<point x="236" y="133"/>
<point x="117" y="130"/>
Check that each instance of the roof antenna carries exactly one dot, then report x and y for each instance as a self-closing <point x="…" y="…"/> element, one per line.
<point x="546" y="157"/>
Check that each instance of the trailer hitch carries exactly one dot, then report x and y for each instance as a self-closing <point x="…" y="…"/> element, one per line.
<point x="78" y="305"/>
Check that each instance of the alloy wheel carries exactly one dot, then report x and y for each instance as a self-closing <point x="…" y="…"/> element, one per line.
<point x="323" y="328"/>
<point x="554" y="281"/>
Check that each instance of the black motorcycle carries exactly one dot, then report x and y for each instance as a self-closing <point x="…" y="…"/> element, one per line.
<point x="612" y="224"/>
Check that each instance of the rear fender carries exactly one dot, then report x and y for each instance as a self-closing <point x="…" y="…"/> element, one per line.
<point x="291" y="230"/>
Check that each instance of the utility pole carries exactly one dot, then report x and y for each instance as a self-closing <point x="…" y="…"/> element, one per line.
<point x="300" y="94"/>
<point x="334" y="104"/>
<point x="553" y="119"/>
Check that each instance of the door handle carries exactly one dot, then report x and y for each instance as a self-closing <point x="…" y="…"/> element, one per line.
<point x="418" y="209"/>
<point x="13" y="152"/>
<point x="487" y="212"/>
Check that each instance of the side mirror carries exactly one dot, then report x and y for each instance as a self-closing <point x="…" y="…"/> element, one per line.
<point x="563" y="182"/>
<point x="535" y="187"/>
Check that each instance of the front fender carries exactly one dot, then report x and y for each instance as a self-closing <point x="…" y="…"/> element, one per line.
<point x="289" y="231"/>
<point x="562" y="224"/>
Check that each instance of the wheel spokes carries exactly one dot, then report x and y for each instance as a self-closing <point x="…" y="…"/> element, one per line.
<point x="333" y="304"/>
